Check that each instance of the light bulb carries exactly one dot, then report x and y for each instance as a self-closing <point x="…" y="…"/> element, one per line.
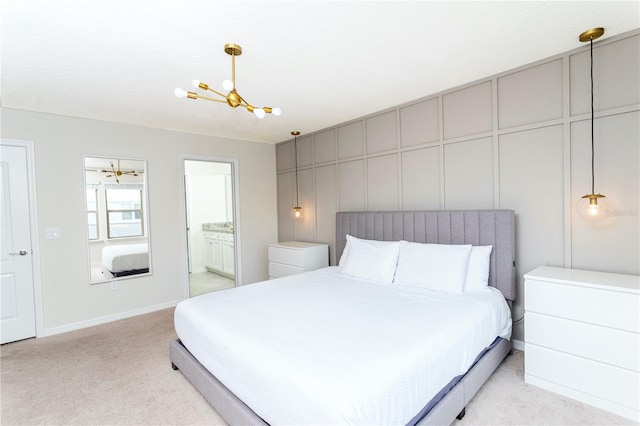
<point x="296" y="213"/>
<point x="180" y="93"/>
<point x="227" y="85"/>
<point x="259" y="112"/>
<point x="196" y="83"/>
<point x="594" y="207"/>
<point x="276" y="112"/>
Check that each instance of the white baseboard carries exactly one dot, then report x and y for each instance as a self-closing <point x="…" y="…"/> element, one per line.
<point x="518" y="345"/>
<point x="109" y="318"/>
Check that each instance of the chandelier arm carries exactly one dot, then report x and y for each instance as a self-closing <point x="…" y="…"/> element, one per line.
<point x="211" y="99"/>
<point x="216" y="92"/>
<point x="250" y="107"/>
<point x="246" y="104"/>
<point x="243" y="100"/>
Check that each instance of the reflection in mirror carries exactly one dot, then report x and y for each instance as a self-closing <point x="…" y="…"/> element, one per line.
<point x="211" y="243"/>
<point x="117" y="225"/>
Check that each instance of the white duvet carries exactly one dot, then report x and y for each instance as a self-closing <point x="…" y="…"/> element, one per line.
<point x="323" y="348"/>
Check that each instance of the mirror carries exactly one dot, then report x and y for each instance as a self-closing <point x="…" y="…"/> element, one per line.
<point x="117" y="220"/>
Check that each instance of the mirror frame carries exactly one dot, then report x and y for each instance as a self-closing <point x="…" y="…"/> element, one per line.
<point x="94" y="253"/>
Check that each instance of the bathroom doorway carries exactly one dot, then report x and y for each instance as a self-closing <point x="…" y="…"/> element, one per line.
<point x="210" y="188"/>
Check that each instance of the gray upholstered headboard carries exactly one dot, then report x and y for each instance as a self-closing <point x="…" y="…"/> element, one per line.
<point x="476" y="227"/>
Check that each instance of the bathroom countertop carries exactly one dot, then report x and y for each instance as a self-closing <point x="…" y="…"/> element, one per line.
<point x="218" y="227"/>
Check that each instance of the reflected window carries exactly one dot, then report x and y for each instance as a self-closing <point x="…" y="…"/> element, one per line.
<point x="124" y="212"/>
<point x="92" y="211"/>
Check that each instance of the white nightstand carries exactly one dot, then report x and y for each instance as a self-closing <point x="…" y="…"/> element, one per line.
<point x="582" y="336"/>
<point x="294" y="257"/>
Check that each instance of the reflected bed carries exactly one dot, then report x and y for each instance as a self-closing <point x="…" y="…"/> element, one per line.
<point x="121" y="260"/>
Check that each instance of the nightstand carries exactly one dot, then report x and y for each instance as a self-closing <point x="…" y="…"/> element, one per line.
<point x="582" y="337"/>
<point x="294" y="257"/>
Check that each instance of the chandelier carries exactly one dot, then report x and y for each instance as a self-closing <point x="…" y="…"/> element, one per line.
<point x="116" y="173"/>
<point x="232" y="98"/>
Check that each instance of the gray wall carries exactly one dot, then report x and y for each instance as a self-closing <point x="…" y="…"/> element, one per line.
<point x="60" y="142"/>
<point x="518" y="140"/>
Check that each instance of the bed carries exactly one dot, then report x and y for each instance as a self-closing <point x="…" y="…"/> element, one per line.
<point x="370" y="383"/>
<point x="119" y="260"/>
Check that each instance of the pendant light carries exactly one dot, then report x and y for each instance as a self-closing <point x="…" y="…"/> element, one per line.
<point x="296" y="213"/>
<point x="593" y="207"/>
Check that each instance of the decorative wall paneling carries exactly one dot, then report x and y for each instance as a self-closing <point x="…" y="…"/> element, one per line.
<point x="517" y="140"/>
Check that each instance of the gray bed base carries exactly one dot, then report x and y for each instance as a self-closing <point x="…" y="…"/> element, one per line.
<point x="236" y="412"/>
<point x="477" y="227"/>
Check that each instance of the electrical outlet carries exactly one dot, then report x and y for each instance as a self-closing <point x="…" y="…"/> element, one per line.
<point x="114" y="285"/>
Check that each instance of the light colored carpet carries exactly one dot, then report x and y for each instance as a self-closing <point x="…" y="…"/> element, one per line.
<point x="111" y="374"/>
<point x="120" y="373"/>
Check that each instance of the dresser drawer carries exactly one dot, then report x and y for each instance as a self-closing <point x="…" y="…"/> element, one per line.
<point x="613" y="384"/>
<point x="288" y="256"/>
<point x="586" y="340"/>
<point x="596" y="306"/>
<point x="277" y="270"/>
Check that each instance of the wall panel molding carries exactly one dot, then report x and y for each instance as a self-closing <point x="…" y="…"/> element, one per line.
<point x="468" y="147"/>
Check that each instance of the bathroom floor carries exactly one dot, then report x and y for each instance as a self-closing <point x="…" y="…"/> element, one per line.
<point x="205" y="282"/>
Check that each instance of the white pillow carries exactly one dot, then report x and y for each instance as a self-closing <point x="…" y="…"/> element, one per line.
<point x="345" y="253"/>
<point x="440" y="267"/>
<point x="478" y="269"/>
<point x="371" y="260"/>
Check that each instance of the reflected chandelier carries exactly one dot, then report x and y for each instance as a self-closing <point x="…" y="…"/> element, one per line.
<point x="232" y="98"/>
<point x="116" y="173"/>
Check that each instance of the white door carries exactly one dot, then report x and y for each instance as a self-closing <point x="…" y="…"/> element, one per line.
<point x="17" y="308"/>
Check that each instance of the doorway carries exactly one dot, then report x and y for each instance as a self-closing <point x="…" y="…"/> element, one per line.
<point x="210" y="187"/>
<point x="20" y="288"/>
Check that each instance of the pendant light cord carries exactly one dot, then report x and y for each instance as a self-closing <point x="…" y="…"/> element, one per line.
<point x="592" y="118"/>
<point x="295" y="153"/>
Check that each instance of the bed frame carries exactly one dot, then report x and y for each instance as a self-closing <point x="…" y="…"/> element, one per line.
<point x="107" y="273"/>
<point x="476" y="227"/>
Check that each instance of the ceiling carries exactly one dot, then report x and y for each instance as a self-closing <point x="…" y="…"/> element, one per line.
<point x="104" y="163"/>
<point x="321" y="62"/>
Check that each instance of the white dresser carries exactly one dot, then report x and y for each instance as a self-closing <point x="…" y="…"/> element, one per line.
<point x="294" y="257"/>
<point x="582" y="337"/>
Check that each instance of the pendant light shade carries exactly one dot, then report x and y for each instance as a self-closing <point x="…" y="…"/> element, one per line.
<point x="592" y="208"/>
<point x="296" y="213"/>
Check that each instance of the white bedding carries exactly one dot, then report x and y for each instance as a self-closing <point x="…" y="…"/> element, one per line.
<point x="323" y="348"/>
<point x="125" y="257"/>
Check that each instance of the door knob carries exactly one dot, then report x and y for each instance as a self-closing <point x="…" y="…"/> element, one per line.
<point x="20" y="253"/>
